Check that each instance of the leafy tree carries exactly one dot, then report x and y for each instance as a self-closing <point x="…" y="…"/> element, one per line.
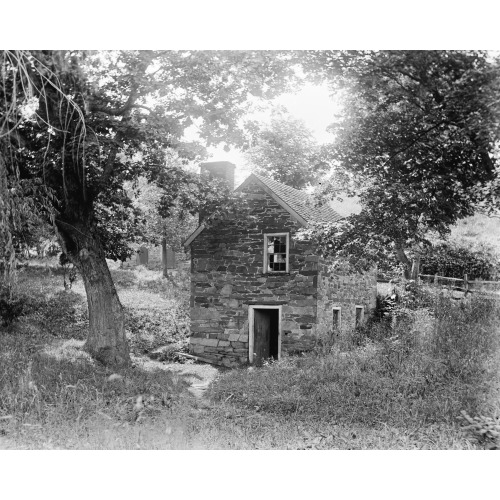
<point x="165" y="222"/>
<point x="100" y="119"/>
<point x="416" y="142"/>
<point x="285" y="150"/>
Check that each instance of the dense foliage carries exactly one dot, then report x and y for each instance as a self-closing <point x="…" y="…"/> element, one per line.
<point x="454" y="261"/>
<point x="286" y="151"/>
<point x="416" y="141"/>
<point x="79" y="125"/>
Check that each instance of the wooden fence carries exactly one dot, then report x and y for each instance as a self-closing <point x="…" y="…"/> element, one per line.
<point x="463" y="284"/>
<point x="460" y="286"/>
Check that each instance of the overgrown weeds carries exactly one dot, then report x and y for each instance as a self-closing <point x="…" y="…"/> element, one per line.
<point x="157" y="311"/>
<point x="434" y="359"/>
<point x="398" y="383"/>
<point x="53" y="394"/>
<point x="63" y="392"/>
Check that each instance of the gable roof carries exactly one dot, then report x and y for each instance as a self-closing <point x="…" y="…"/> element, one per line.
<point x="293" y="199"/>
<point x="298" y="204"/>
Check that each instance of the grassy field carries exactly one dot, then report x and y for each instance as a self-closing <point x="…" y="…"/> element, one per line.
<point x="394" y="386"/>
<point x="477" y="229"/>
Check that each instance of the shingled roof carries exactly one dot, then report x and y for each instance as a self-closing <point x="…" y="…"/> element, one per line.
<point x="299" y="204"/>
<point x="299" y="201"/>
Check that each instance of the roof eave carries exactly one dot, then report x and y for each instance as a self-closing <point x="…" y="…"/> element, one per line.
<point x="193" y="235"/>
<point x="270" y="192"/>
<point x="275" y="197"/>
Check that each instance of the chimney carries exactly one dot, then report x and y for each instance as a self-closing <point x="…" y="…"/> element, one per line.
<point x="223" y="170"/>
<point x="220" y="170"/>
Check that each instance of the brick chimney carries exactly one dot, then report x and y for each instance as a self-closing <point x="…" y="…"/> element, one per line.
<point x="220" y="170"/>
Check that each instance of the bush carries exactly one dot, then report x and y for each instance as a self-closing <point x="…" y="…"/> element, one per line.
<point x="453" y="261"/>
<point x="69" y="271"/>
<point x="11" y="306"/>
<point x="148" y="329"/>
<point x="62" y="315"/>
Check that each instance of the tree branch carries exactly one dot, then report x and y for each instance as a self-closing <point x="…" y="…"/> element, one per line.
<point x="425" y="132"/>
<point x="108" y="168"/>
<point x="118" y="111"/>
<point x="141" y="106"/>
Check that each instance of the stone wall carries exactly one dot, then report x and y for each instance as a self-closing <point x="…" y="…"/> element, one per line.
<point x="345" y="292"/>
<point x="227" y="277"/>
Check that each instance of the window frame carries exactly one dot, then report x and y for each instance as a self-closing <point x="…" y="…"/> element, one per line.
<point x="265" y="263"/>
<point x="338" y="326"/>
<point x="362" y="318"/>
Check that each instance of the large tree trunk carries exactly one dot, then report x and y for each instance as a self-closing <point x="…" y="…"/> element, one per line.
<point x="415" y="267"/>
<point x="106" y="341"/>
<point x="400" y="253"/>
<point x="411" y="267"/>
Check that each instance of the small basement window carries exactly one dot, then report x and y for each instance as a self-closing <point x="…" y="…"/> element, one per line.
<point x="360" y="315"/>
<point x="276" y="246"/>
<point x="336" y="319"/>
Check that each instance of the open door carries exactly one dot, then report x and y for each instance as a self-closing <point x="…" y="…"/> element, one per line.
<point x="266" y="334"/>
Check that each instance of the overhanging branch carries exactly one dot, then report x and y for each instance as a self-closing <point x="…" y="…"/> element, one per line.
<point x="118" y="111"/>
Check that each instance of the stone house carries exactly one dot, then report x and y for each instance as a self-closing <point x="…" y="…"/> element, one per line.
<point x="258" y="291"/>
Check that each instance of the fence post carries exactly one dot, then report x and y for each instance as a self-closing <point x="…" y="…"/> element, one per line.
<point x="466" y="283"/>
<point x="436" y="279"/>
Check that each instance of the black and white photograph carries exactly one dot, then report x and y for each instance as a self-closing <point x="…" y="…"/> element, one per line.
<point x="213" y="247"/>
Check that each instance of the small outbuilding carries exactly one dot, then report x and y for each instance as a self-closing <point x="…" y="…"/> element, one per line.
<point x="257" y="290"/>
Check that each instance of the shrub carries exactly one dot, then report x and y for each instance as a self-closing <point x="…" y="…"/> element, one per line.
<point x="123" y="278"/>
<point x="453" y="261"/>
<point x="12" y="306"/>
<point x="149" y="329"/>
<point x="62" y="315"/>
<point x="69" y="271"/>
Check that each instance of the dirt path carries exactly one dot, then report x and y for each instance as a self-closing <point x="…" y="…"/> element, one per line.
<point x="199" y="375"/>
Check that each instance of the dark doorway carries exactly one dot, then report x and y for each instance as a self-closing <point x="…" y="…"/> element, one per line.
<point x="266" y="335"/>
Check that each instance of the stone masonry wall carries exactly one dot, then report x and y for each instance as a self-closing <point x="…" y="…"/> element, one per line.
<point x="346" y="292"/>
<point x="227" y="276"/>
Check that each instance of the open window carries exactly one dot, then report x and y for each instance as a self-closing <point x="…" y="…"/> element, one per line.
<point x="276" y="251"/>
<point x="360" y="315"/>
<point x="336" y="319"/>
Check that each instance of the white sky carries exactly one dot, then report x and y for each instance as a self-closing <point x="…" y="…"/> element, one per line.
<point x="312" y="104"/>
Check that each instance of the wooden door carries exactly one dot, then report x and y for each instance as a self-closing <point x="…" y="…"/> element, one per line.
<point x="262" y="335"/>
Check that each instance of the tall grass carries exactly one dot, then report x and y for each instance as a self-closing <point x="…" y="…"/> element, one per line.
<point x="422" y="369"/>
<point x="61" y="398"/>
<point x="51" y="391"/>
<point x="396" y="384"/>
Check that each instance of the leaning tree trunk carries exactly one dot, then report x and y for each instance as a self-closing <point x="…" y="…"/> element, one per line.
<point x="411" y="267"/>
<point x="401" y="255"/>
<point x="415" y="267"/>
<point x="106" y="341"/>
